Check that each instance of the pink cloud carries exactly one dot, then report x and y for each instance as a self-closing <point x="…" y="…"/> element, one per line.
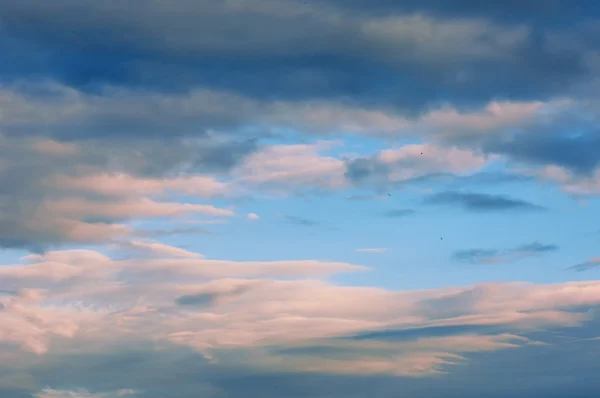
<point x="93" y="301"/>
<point x="127" y="185"/>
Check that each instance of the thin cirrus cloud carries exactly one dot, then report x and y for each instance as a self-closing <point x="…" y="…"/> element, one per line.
<point x="479" y="202"/>
<point x="398" y="213"/>
<point x="586" y="265"/>
<point x="300" y="221"/>
<point x="492" y="256"/>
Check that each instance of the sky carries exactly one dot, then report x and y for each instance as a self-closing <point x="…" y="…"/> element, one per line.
<point x="281" y="198"/>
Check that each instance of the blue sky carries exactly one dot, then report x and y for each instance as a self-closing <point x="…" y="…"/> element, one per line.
<point x="281" y="198"/>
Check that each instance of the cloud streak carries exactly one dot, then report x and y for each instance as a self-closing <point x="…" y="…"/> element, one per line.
<point x="479" y="202"/>
<point x="494" y="256"/>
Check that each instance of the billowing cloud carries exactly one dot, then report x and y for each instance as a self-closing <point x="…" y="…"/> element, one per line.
<point x="300" y="49"/>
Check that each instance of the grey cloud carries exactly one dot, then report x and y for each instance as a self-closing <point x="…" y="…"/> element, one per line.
<point x="176" y="372"/>
<point x="197" y="300"/>
<point x="381" y="182"/>
<point x="508" y="11"/>
<point x="478" y="202"/>
<point x="207" y="299"/>
<point x="118" y="113"/>
<point x="537" y="247"/>
<point x="398" y="213"/>
<point x="490" y="256"/>
<point x="587" y="265"/>
<point x="25" y="173"/>
<point x="579" y="152"/>
<point x="296" y="49"/>
<point x="295" y="220"/>
<point x="365" y="170"/>
<point x="476" y="255"/>
<point x="363" y="197"/>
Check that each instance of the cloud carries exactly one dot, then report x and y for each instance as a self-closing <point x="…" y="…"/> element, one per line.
<point x="468" y="54"/>
<point x="570" y="182"/>
<point x="587" y="265"/>
<point x="295" y="220"/>
<point x="478" y="202"/>
<point x="128" y="185"/>
<point x="124" y="124"/>
<point x="54" y="193"/>
<point x="158" y="233"/>
<point x="157" y="248"/>
<point x="82" y="393"/>
<point x="284" y="168"/>
<point x="253" y="313"/>
<point x="364" y="197"/>
<point x="410" y="162"/>
<point x="372" y="250"/>
<point x="491" y="256"/>
<point x="574" y="152"/>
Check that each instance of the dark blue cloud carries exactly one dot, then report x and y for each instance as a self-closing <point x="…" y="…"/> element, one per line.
<point x="578" y="151"/>
<point x="554" y="12"/>
<point x="478" y="202"/>
<point x="298" y="55"/>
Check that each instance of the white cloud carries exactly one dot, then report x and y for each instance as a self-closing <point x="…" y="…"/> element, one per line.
<point x="253" y="216"/>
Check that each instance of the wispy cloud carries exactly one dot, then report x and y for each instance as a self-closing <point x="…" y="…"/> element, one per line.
<point x="587" y="265"/>
<point x="479" y="202"/>
<point x="296" y="220"/>
<point x="491" y="256"/>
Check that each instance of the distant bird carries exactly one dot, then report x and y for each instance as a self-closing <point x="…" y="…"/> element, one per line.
<point x="441" y="238"/>
<point x="421" y="153"/>
<point x="389" y="194"/>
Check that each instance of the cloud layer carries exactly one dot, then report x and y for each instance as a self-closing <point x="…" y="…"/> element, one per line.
<point x="273" y="316"/>
<point x="152" y="153"/>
